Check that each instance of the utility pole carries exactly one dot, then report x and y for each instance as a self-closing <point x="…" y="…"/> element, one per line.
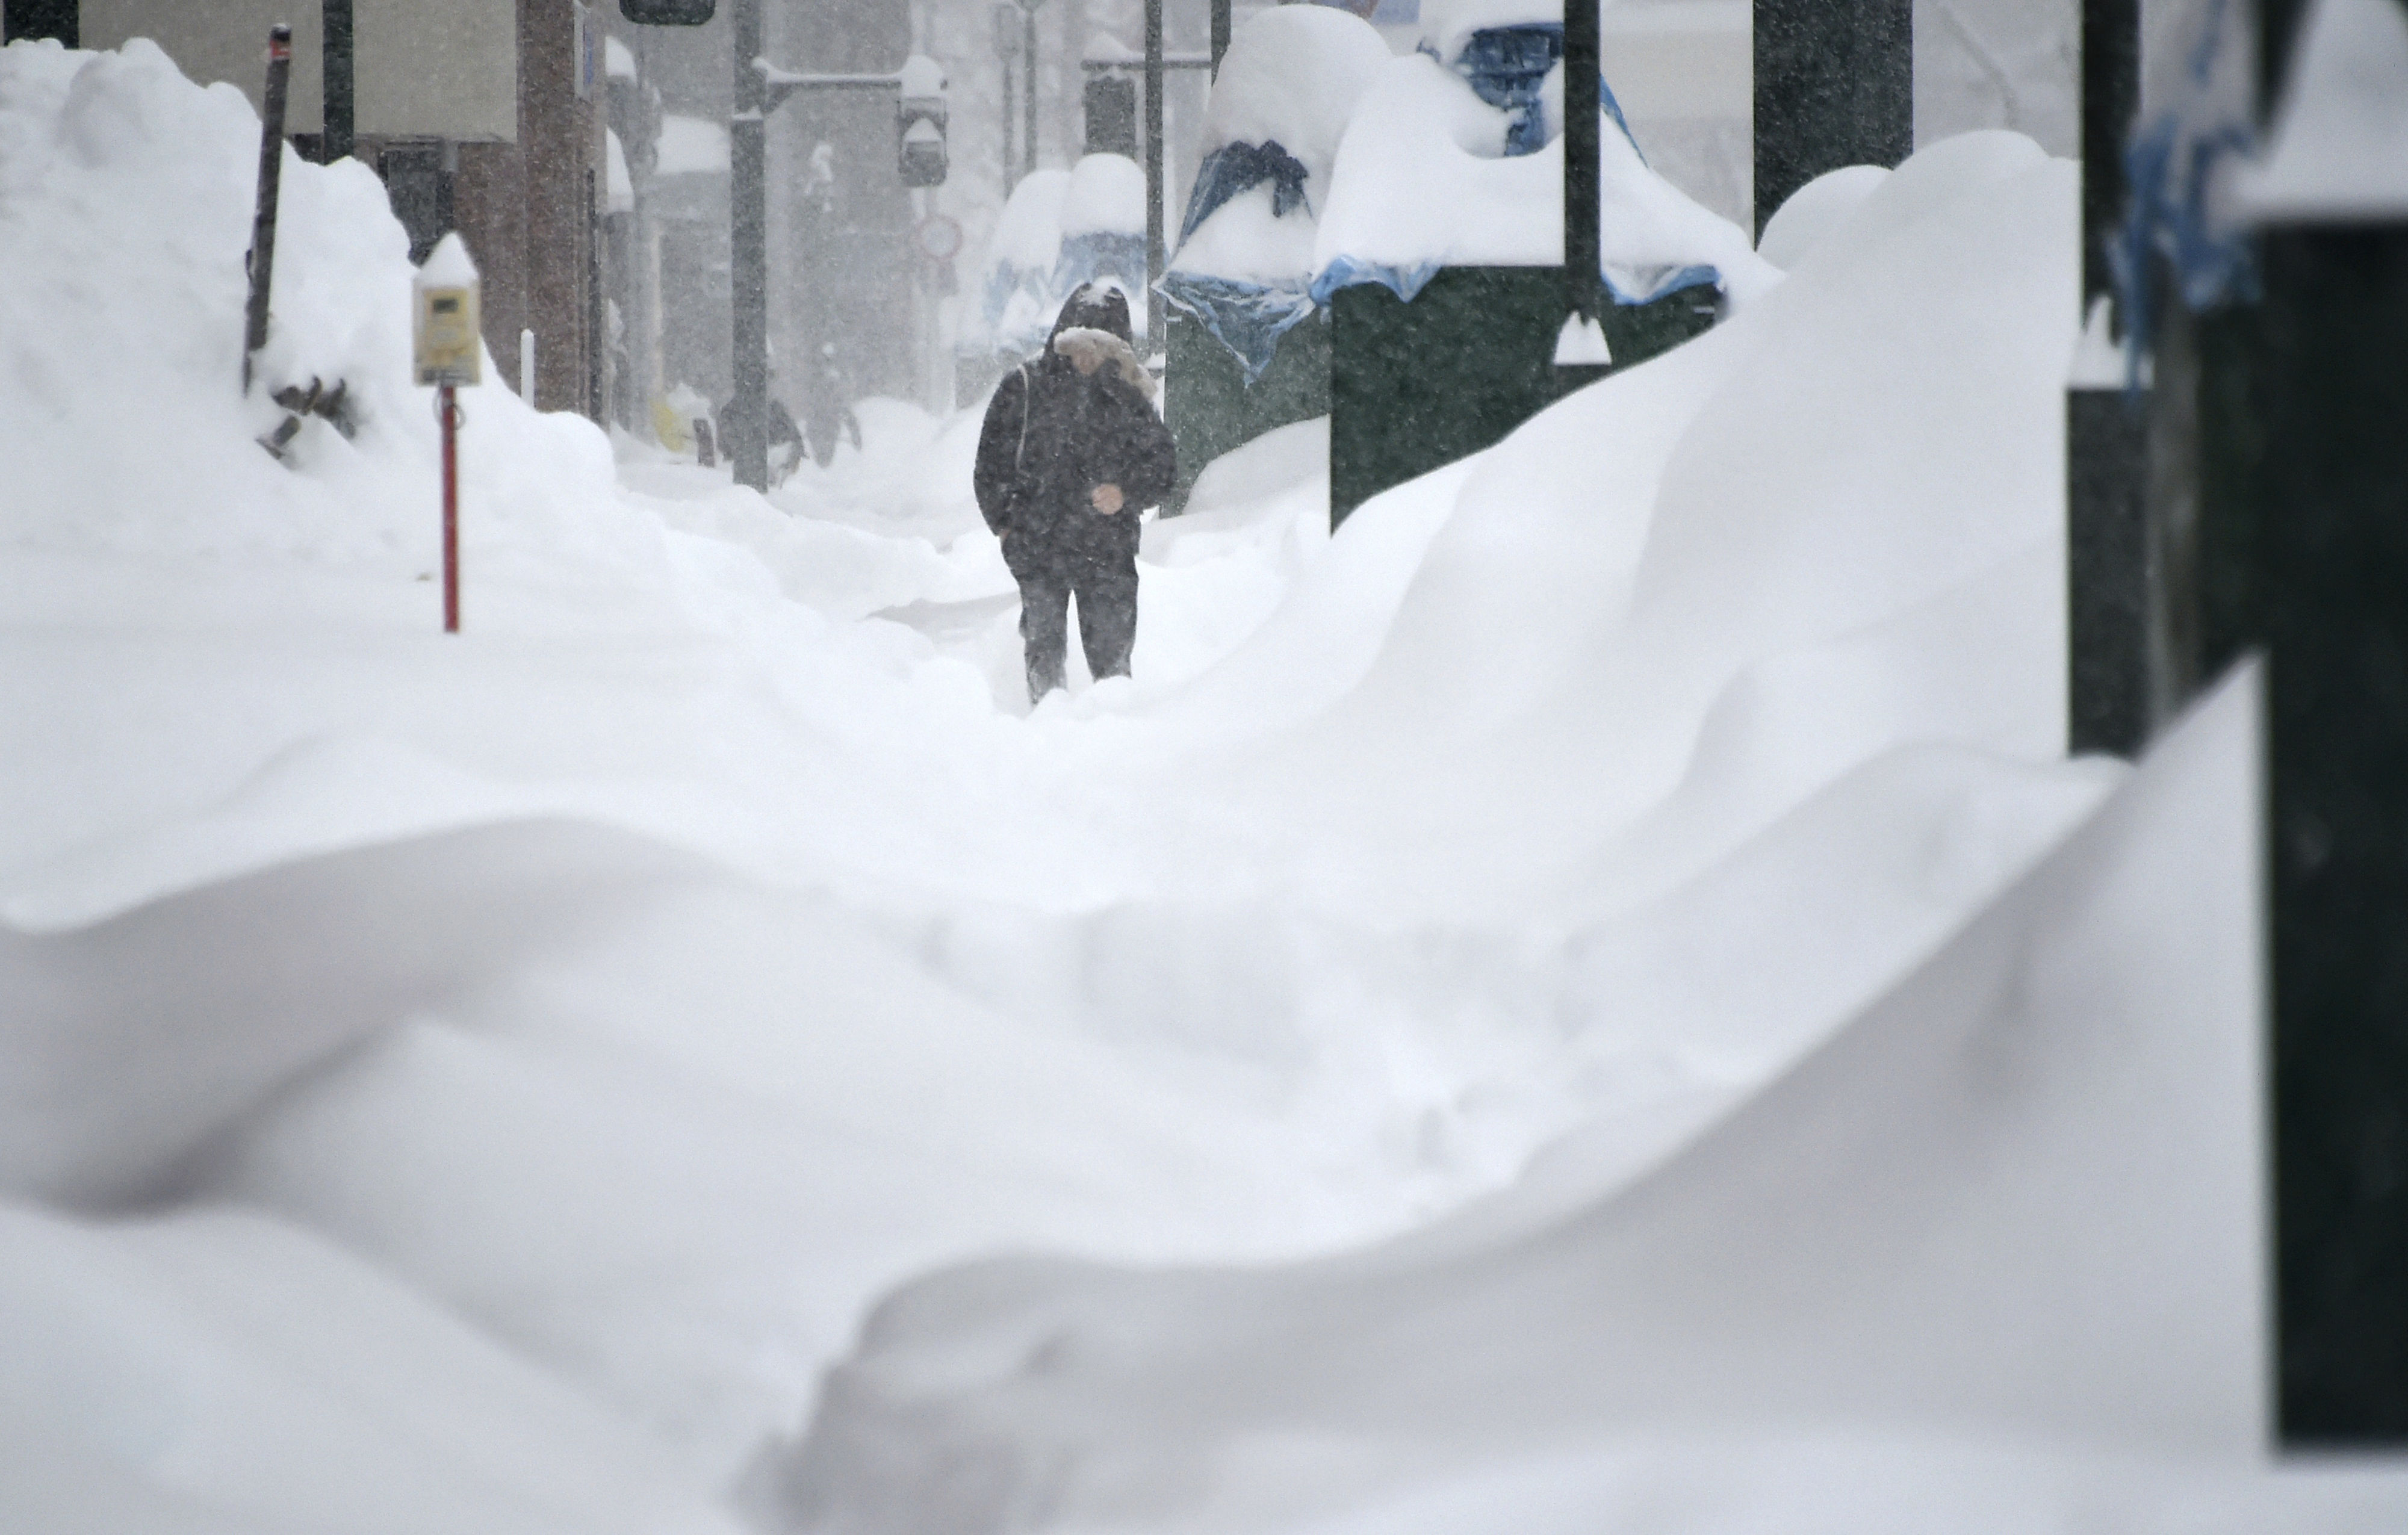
<point x="2112" y="698"/>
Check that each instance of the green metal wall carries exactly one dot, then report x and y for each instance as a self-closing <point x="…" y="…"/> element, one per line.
<point x="1414" y="386"/>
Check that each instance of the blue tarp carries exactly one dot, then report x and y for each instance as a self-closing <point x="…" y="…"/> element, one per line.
<point x="1233" y="168"/>
<point x="2174" y="159"/>
<point x="1248" y="317"/>
<point x="1506" y="67"/>
<point x="1629" y="288"/>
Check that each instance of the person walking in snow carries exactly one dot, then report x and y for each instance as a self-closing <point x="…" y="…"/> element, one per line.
<point x="1071" y="452"/>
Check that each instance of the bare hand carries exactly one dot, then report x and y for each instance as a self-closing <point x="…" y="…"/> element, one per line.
<point x="1105" y="499"/>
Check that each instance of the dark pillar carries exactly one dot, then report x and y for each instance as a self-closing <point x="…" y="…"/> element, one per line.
<point x="2112" y="704"/>
<point x="1154" y="191"/>
<point x="341" y="80"/>
<point x="743" y="426"/>
<point x="2332" y="583"/>
<point x="2302" y="462"/>
<point x="61" y="20"/>
<point x="1834" y="86"/>
<point x="1581" y="106"/>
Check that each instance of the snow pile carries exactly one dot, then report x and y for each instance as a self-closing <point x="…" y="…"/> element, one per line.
<point x="126" y="209"/>
<point x="1940" y="1227"/>
<point x="1291" y="79"/>
<point x="482" y="1081"/>
<point x="1422" y="180"/>
<point x="1698" y="683"/>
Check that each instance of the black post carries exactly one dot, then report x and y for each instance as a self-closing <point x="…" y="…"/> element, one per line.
<point x="263" y="220"/>
<point x="341" y="77"/>
<point x="58" y="19"/>
<point x="2331" y="568"/>
<point x="1834" y="86"/>
<point x="1581" y="65"/>
<point x="2112" y="702"/>
<point x="2315" y="511"/>
<point x="1154" y="191"/>
<point x="1220" y="34"/>
<point x="741" y="430"/>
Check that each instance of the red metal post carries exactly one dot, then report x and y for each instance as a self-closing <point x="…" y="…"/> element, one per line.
<point x="449" y="411"/>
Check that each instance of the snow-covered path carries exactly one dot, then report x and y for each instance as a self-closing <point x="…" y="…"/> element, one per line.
<point x="487" y="1081"/>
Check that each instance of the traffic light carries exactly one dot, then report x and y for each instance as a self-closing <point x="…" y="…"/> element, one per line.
<point x="920" y="122"/>
<point x="667" y="13"/>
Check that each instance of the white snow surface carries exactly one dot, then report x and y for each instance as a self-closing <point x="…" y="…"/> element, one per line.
<point x="1421" y="178"/>
<point x="1105" y="194"/>
<point x="484" y="1081"/>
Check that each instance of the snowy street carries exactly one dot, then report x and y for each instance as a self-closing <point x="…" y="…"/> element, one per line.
<point x="1590" y="999"/>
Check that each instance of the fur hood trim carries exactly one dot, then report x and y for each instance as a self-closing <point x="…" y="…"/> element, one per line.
<point x="1075" y="340"/>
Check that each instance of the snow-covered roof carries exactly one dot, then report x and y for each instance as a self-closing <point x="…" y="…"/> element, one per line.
<point x="1106" y="194"/>
<point x="688" y="146"/>
<point x="1422" y="181"/>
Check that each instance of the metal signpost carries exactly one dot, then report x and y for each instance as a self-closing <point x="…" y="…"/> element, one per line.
<point x="271" y="172"/>
<point x="447" y="347"/>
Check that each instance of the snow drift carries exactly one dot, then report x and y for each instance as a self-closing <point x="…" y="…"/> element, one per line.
<point x="484" y="1081"/>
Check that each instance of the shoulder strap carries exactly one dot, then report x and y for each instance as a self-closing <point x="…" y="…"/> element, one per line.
<point x="1028" y="388"/>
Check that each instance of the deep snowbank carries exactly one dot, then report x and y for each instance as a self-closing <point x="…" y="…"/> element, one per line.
<point x="635" y="985"/>
<point x="1942" y="1224"/>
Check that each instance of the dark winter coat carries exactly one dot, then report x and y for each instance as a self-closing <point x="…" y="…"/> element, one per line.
<point x="1052" y="435"/>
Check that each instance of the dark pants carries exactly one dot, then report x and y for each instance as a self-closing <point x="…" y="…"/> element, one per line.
<point x="1106" y="623"/>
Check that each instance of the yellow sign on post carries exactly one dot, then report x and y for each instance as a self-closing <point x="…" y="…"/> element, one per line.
<point x="445" y="336"/>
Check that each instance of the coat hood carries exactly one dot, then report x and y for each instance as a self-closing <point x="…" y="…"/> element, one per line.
<point x="1095" y="306"/>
